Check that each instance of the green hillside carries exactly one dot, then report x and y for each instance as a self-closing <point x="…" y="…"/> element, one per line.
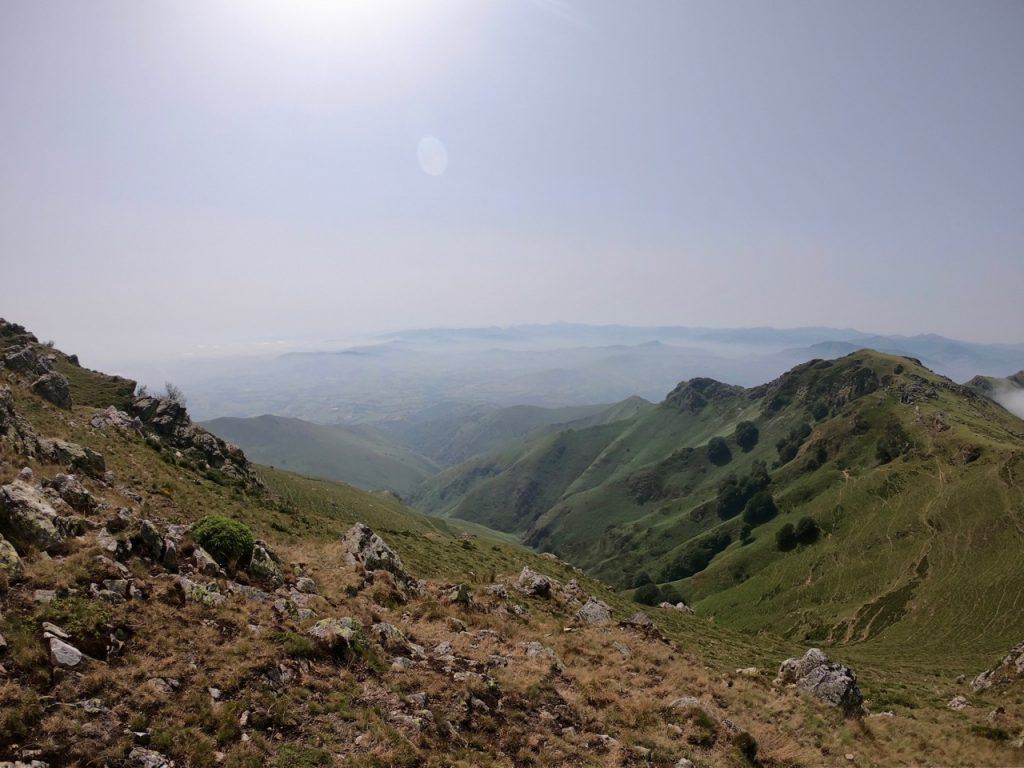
<point x="910" y="483"/>
<point x="453" y="433"/>
<point x="356" y="455"/>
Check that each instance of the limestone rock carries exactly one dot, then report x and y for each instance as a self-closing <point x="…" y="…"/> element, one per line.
<point x="594" y="613"/>
<point x="336" y="636"/>
<point x="833" y="683"/>
<point x="27" y="517"/>
<point x="140" y="757"/>
<point x="73" y="492"/>
<point x="194" y="592"/>
<point x="54" y="388"/>
<point x="63" y="654"/>
<point x="264" y="564"/>
<point x="533" y="583"/>
<point x="363" y="547"/>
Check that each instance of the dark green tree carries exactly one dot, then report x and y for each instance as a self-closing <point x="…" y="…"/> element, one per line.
<point x="807" y="530"/>
<point x="746" y="435"/>
<point x="760" y="509"/>
<point x="648" y="594"/>
<point x="785" y="538"/>
<point x="718" y="451"/>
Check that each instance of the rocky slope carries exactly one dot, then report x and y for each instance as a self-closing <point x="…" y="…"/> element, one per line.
<point x="163" y="602"/>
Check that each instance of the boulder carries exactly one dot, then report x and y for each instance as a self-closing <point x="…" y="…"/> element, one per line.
<point x="305" y="585"/>
<point x="63" y="654"/>
<point x="833" y="683"/>
<point x="958" y="703"/>
<point x="204" y="563"/>
<point x="73" y="492"/>
<point x="25" y="360"/>
<point x="27" y="517"/>
<point x="54" y="388"/>
<point x="361" y="546"/>
<point x="393" y="640"/>
<point x="10" y="563"/>
<point x="594" y="613"/>
<point x="533" y="583"/>
<point x="264" y="564"/>
<point x="111" y="417"/>
<point x="74" y="455"/>
<point x="339" y="637"/>
<point x="194" y="592"/>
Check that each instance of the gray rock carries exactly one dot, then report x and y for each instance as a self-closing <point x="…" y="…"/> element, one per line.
<point x="63" y="654"/>
<point x="140" y="757"/>
<point x="393" y="640"/>
<point x="958" y="703"/>
<point x="194" y="592"/>
<point x="264" y="564"/>
<point x="594" y="613"/>
<point x="73" y="492"/>
<point x="204" y="563"/>
<point x="111" y="417"/>
<point x="27" y="517"/>
<point x="833" y="683"/>
<point x="306" y="585"/>
<point x="1006" y="671"/>
<point x="337" y="636"/>
<point x="363" y="547"/>
<point x="54" y="388"/>
<point x="533" y="583"/>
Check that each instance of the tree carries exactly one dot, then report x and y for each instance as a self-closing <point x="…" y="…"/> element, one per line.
<point x="790" y="444"/>
<point x="718" y="451"/>
<point x="807" y="530"/>
<point x="642" y="578"/>
<point x="760" y="509"/>
<point x="670" y="594"/>
<point x="785" y="538"/>
<point x="746" y="534"/>
<point x="648" y="594"/>
<point x="746" y="435"/>
<point x="174" y="393"/>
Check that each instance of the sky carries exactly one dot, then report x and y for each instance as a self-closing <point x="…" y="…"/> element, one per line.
<point x="211" y="174"/>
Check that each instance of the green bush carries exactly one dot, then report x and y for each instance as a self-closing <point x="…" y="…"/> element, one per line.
<point x="228" y="541"/>
<point x="807" y="531"/>
<point x="734" y="493"/>
<point x="790" y="444"/>
<point x="746" y="435"/>
<point x="647" y="594"/>
<point x="746" y="745"/>
<point x="718" y="451"/>
<point x="893" y="443"/>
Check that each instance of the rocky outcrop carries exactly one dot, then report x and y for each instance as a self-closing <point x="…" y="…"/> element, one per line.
<point x="27" y="517"/>
<point x="54" y="388"/>
<point x="833" y="683"/>
<point x="1009" y="669"/>
<point x="264" y="564"/>
<point x="111" y="417"/>
<point x="533" y="583"/>
<point x="167" y="424"/>
<point x="361" y="546"/>
<point x="73" y="455"/>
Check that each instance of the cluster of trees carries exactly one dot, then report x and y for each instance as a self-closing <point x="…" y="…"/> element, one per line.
<point x="806" y="531"/>
<point x="734" y="492"/>
<point x="790" y="444"/>
<point x="698" y="555"/>
<point x="649" y="593"/>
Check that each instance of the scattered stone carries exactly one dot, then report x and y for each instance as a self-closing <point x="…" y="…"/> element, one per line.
<point x="1010" y="668"/>
<point x="140" y="757"/>
<point x="111" y="417"/>
<point x="685" y="702"/>
<point x="26" y="475"/>
<point x="748" y="672"/>
<point x="833" y="683"/>
<point x="684" y="763"/>
<point x="622" y="649"/>
<point x="958" y="703"/>
<point x="594" y="613"/>
<point x="204" y="563"/>
<point x="44" y="596"/>
<point x="306" y="585"/>
<point x="680" y="606"/>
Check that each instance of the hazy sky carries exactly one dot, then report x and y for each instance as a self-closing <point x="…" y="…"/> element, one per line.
<point x="184" y="173"/>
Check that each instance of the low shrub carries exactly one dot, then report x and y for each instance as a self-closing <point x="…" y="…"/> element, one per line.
<point x="228" y="541"/>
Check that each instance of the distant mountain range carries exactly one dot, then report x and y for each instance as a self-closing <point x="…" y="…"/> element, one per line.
<point x="550" y="366"/>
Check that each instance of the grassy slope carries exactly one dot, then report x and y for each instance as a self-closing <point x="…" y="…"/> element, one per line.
<point x="358" y="456"/>
<point x="868" y="579"/>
